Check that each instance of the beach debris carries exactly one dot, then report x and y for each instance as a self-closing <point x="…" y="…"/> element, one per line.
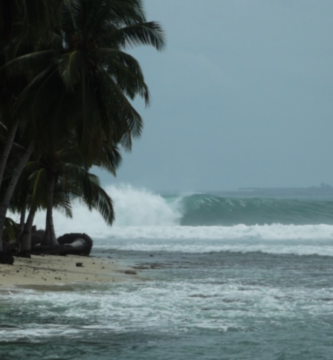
<point x="130" y="272"/>
<point x="141" y="267"/>
<point x="79" y="264"/>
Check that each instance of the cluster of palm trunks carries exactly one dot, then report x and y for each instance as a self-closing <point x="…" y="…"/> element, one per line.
<point x="72" y="243"/>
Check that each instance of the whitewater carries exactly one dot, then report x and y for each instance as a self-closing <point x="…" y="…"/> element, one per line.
<point x="148" y="221"/>
<point x="221" y="276"/>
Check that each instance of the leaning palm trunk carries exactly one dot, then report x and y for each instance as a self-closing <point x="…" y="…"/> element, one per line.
<point x="11" y="187"/>
<point x="7" y="148"/>
<point x="24" y="239"/>
<point x="50" y="237"/>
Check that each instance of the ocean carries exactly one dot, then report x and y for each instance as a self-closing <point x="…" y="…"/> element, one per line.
<point x="223" y="276"/>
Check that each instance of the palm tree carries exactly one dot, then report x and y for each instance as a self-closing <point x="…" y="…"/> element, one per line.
<point x="76" y="183"/>
<point x="25" y="26"/>
<point x="83" y="82"/>
<point x="87" y="82"/>
<point x="55" y="180"/>
<point x="102" y="76"/>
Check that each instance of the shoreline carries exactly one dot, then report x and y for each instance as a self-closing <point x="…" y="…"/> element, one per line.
<point x="50" y="270"/>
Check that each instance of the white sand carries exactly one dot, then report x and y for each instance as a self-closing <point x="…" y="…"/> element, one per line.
<point x="56" y="270"/>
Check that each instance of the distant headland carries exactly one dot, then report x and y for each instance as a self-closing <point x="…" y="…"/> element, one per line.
<point x="322" y="191"/>
<point x="322" y="188"/>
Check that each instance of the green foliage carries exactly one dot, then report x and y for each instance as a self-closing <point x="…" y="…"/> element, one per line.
<point x="11" y="229"/>
<point x="85" y="81"/>
<point x="69" y="83"/>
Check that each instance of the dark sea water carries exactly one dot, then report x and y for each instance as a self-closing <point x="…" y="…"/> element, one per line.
<point x="222" y="278"/>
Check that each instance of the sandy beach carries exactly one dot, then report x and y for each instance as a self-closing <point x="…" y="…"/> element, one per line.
<point x="60" y="270"/>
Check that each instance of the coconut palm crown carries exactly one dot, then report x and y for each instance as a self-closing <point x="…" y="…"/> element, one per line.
<point x="88" y="82"/>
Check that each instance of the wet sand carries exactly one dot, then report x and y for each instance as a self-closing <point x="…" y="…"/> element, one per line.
<point x="62" y="270"/>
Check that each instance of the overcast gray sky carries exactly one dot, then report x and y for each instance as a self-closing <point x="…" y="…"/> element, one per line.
<point x="242" y="96"/>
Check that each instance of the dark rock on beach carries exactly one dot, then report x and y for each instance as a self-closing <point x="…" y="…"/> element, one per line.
<point x="76" y="243"/>
<point x="72" y="243"/>
<point x="130" y="272"/>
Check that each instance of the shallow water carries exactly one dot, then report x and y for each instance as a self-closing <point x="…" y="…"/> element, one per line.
<point x="219" y="305"/>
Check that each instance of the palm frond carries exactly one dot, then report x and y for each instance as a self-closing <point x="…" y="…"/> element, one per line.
<point x="11" y="229"/>
<point x="99" y="199"/>
<point x="148" y="33"/>
<point x="62" y="202"/>
<point x="28" y="64"/>
<point x="69" y="67"/>
<point x="126" y="71"/>
<point x="126" y="120"/>
<point x="110" y="159"/>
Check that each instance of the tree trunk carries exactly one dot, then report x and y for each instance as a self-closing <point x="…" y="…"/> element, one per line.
<point x="22" y="218"/>
<point x="50" y="237"/>
<point x="6" y="149"/>
<point x="11" y="187"/>
<point x="25" y="237"/>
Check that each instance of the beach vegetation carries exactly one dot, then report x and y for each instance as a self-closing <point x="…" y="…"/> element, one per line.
<point x="68" y="82"/>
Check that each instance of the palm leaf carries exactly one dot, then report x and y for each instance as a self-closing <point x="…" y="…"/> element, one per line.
<point x="148" y="33"/>
<point x="126" y="71"/>
<point x="28" y="64"/>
